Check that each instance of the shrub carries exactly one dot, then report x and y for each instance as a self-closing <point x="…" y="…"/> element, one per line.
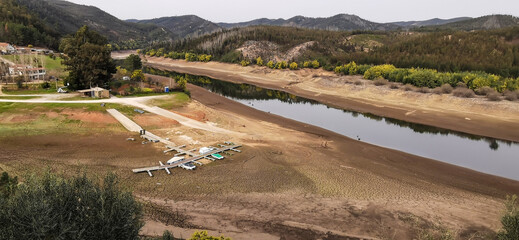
<point x="423" y="90"/>
<point x="202" y="235"/>
<point x="382" y="71"/>
<point x="293" y="66"/>
<point x="380" y="82"/>
<point x="50" y="207"/>
<point x="358" y="82"/>
<point x="510" y="220"/>
<point x="494" y="96"/>
<point x="245" y="63"/>
<point x="463" y="92"/>
<point x="45" y="85"/>
<point x="315" y="64"/>
<point x="271" y="64"/>
<point x="259" y="61"/>
<point x="394" y="86"/>
<point x="409" y="87"/>
<point x="483" y="91"/>
<point x="437" y="90"/>
<point x="511" y="96"/>
<point x="446" y="88"/>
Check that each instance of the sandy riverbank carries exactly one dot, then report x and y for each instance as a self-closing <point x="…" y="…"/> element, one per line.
<point x="475" y="115"/>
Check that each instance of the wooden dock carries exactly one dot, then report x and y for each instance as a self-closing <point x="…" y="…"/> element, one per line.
<point x="187" y="160"/>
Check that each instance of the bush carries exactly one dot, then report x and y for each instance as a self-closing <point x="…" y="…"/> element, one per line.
<point x="511" y="96"/>
<point x="437" y="90"/>
<point x="378" y="71"/>
<point x="45" y="85"/>
<point x="461" y="85"/>
<point x="409" y="87"/>
<point x="50" y="207"/>
<point x="380" y="82"/>
<point x="293" y="66"/>
<point x="446" y="88"/>
<point x="423" y="90"/>
<point x="245" y="63"/>
<point x="394" y="86"/>
<point x="483" y="91"/>
<point x="357" y="82"/>
<point x="494" y="96"/>
<point x="463" y="92"/>
<point x="510" y="220"/>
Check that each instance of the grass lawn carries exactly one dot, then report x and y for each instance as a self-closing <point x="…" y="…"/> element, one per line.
<point x="174" y="100"/>
<point x="18" y="97"/>
<point x="51" y="118"/>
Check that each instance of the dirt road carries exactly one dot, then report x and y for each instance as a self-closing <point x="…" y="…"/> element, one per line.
<point x="476" y="115"/>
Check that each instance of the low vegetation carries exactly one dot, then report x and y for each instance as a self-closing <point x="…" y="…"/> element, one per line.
<point x="510" y="220"/>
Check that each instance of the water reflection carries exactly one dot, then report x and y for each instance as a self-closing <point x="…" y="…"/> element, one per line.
<point x="479" y="153"/>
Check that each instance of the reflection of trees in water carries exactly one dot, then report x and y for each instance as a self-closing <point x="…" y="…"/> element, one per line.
<point x="251" y="92"/>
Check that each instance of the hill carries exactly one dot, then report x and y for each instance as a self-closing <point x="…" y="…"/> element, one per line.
<point x="480" y="23"/>
<point x="21" y="27"/>
<point x="340" y="22"/>
<point x="183" y="26"/>
<point x="66" y="18"/>
<point x="430" y="22"/>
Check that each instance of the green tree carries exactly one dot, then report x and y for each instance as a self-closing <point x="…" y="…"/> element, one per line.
<point x="510" y="220"/>
<point x="259" y="61"/>
<point x="271" y="64"/>
<point x="133" y="62"/>
<point x="293" y="66"/>
<point x="203" y="235"/>
<point x="315" y="64"/>
<point x="51" y="207"/>
<point x="88" y="59"/>
<point x="137" y="76"/>
<point x="181" y="83"/>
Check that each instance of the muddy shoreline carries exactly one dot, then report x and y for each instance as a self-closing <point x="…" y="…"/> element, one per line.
<point x="395" y="164"/>
<point x="458" y="121"/>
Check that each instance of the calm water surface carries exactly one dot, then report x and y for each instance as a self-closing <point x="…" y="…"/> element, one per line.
<point x="482" y="154"/>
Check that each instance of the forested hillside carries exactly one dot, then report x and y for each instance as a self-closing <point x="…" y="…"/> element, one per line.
<point x="63" y="18"/>
<point x="183" y="26"/>
<point x="480" y="23"/>
<point x="492" y="51"/>
<point x="19" y="26"/>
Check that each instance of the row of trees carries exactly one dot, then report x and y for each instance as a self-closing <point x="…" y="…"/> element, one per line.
<point x="192" y="57"/>
<point x="429" y="77"/>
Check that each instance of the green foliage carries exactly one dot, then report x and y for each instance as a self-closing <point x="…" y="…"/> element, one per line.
<point x="380" y="71"/>
<point x="167" y="235"/>
<point x="181" y="82"/>
<point x="348" y="69"/>
<point x="293" y="66"/>
<point x="271" y="64"/>
<point x="203" y="235"/>
<point x="21" y="27"/>
<point x="133" y="62"/>
<point x="244" y="63"/>
<point x="88" y="60"/>
<point x="315" y="64"/>
<point x="8" y="185"/>
<point x="281" y="65"/>
<point x="510" y="220"/>
<point x="51" y="207"/>
<point x="137" y="76"/>
<point x="259" y="61"/>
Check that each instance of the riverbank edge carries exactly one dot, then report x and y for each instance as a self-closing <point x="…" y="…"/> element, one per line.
<point x="486" y="127"/>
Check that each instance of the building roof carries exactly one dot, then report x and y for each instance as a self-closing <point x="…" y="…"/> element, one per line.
<point x="96" y="89"/>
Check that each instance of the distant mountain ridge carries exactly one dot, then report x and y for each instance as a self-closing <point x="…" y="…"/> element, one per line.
<point x="339" y="22"/>
<point x="430" y="22"/>
<point x="182" y="26"/>
<point x="481" y="23"/>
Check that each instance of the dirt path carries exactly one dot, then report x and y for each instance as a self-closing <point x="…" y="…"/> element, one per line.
<point x="138" y="102"/>
<point x="476" y="115"/>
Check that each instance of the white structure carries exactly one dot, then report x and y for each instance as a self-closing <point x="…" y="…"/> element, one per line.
<point x="205" y="150"/>
<point x="32" y="73"/>
<point x="6" y="48"/>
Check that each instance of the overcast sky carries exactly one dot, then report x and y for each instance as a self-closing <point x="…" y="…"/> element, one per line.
<point x="245" y="10"/>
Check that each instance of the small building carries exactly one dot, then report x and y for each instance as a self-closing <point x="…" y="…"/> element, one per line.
<point x="96" y="92"/>
<point x="31" y="72"/>
<point x="6" y="48"/>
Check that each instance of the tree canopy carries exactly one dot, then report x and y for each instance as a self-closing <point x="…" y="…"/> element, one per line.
<point x="50" y="207"/>
<point x="133" y="62"/>
<point x="88" y="59"/>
